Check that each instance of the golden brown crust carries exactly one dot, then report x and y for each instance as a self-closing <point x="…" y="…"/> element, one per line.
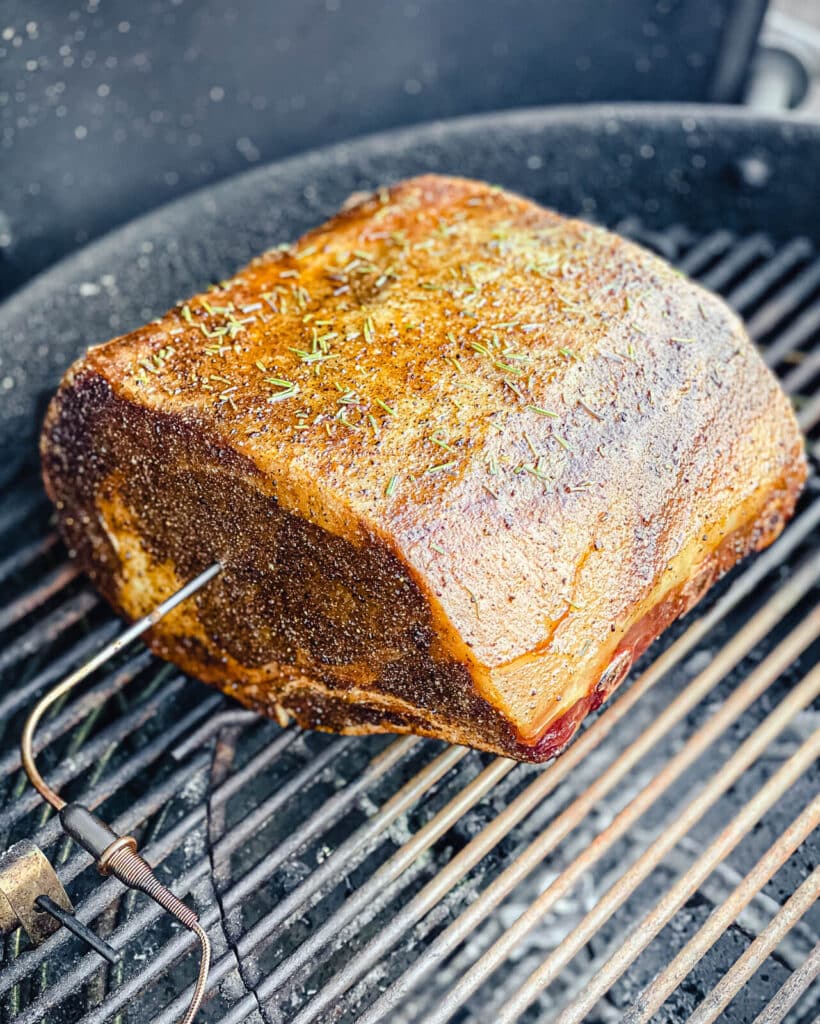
<point x="459" y="455"/>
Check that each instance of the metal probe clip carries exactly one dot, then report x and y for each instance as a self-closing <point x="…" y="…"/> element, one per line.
<point x="117" y="855"/>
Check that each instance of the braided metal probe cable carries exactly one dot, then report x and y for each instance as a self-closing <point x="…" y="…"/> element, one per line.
<point x="117" y="855"/>
<point x="134" y="871"/>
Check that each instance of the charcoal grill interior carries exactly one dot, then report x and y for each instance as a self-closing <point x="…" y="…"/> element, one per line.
<point x="394" y="878"/>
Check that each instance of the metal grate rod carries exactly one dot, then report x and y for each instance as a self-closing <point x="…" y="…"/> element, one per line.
<point x="675" y="897"/>
<point x="76" y="711"/>
<point x="24" y="556"/>
<point x="298" y="898"/>
<point x="375" y="892"/>
<point x="351" y="852"/>
<point x="464" y="925"/>
<point x="799" y="530"/>
<point x="119" y="729"/>
<point x="390" y="756"/>
<point x="756" y="683"/>
<point x="807" y="324"/>
<point x="46" y="588"/>
<point x="180" y="943"/>
<point x="791" y="990"/>
<point x="803" y="373"/>
<point x="196" y="739"/>
<point x="22" y="695"/>
<point x="42" y="634"/>
<point x="804" y="897"/>
<point x="740" y="645"/>
<point x="757" y="283"/>
<point x="654" y="995"/>
<point x="773" y="312"/>
<point x="104" y="895"/>
<point x="782" y="288"/>
<point x="718" y="243"/>
<point x="321" y="818"/>
<point x="183" y="941"/>
<point x="745" y="252"/>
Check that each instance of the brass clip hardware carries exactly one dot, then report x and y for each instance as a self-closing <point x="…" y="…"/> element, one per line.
<point x="26" y="875"/>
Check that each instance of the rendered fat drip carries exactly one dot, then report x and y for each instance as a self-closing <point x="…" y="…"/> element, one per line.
<point x="614" y="674"/>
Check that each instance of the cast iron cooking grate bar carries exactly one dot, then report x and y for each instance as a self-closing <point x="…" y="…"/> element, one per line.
<point x="399" y="879"/>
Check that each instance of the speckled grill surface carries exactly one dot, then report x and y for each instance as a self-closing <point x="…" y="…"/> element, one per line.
<point x="309" y="856"/>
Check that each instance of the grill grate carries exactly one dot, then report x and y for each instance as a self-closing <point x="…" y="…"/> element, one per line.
<point x="668" y="850"/>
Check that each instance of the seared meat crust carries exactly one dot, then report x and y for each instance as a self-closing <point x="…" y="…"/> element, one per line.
<point x="462" y="459"/>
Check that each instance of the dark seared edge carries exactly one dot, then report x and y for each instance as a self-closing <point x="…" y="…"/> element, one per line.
<point x="463" y="459"/>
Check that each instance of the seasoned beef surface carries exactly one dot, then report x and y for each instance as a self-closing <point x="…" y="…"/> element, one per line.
<point x="462" y="459"/>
